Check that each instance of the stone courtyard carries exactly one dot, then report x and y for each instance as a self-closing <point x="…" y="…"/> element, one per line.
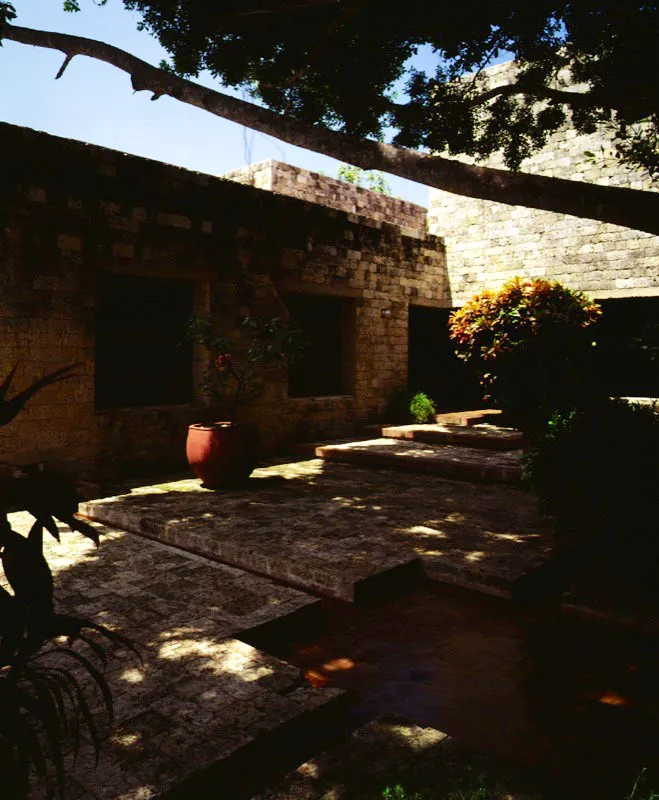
<point x="337" y="529"/>
<point x="201" y="696"/>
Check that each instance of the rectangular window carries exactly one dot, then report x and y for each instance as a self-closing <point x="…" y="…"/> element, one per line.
<point x="141" y="358"/>
<point x="327" y="365"/>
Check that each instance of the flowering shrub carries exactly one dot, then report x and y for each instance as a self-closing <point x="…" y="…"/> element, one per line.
<point x="239" y="364"/>
<point x="530" y="344"/>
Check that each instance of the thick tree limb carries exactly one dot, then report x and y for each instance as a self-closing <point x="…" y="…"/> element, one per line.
<point x="628" y="207"/>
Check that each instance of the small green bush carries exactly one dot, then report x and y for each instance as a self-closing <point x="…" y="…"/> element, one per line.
<point x="405" y="406"/>
<point x="422" y="408"/>
<point x="596" y="472"/>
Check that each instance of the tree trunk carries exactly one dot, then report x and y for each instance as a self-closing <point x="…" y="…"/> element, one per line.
<point x="630" y="208"/>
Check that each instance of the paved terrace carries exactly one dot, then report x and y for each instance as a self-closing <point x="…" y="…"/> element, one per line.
<point x="342" y="530"/>
<point x="202" y="698"/>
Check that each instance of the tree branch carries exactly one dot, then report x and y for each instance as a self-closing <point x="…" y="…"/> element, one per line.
<point x="578" y="99"/>
<point x="628" y="207"/>
<point x="66" y="63"/>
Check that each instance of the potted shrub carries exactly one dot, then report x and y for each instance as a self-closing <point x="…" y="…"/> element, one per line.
<point x="224" y="452"/>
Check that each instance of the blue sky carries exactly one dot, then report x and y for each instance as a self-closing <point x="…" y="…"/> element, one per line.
<point x="94" y="102"/>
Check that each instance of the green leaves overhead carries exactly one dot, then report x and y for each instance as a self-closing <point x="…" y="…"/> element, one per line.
<point x="345" y="64"/>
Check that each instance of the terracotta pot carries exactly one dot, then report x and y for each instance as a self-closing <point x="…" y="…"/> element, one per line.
<point x="222" y="453"/>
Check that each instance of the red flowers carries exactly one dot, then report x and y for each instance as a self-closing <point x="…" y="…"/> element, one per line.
<point x="223" y="362"/>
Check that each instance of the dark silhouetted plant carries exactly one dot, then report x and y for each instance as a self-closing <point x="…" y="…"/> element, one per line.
<point x="596" y="472"/>
<point x="43" y="684"/>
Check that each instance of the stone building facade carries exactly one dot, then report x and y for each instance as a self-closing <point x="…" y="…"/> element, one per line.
<point x="84" y="227"/>
<point x="274" y="176"/>
<point x="488" y="243"/>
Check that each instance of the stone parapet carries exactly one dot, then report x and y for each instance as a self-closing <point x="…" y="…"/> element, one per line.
<point x="275" y="176"/>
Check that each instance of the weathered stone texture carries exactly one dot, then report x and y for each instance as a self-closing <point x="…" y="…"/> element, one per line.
<point x="73" y="211"/>
<point x="333" y="528"/>
<point x="199" y="695"/>
<point x="314" y="188"/>
<point x="488" y="243"/>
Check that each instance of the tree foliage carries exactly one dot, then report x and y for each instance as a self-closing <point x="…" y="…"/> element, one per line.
<point x="338" y="77"/>
<point x="343" y="64"/>
<point x="373" y="180"/>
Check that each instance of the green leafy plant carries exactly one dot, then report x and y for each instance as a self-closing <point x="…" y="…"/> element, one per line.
<point x="640" y="788"/>
<point x="422" y="408"/>
<point x="43" y="684"/>
<point x="398" y="792"/>
<point x="465" y="783"/>
<point x="405" y="406"/>
<point x="239" y="364"/>
<point x="532" y="346"/>
<point x="368" y="179"/>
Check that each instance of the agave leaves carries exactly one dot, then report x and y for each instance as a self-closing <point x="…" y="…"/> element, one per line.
<point x="44" y="686"/>
<point x="10" y="408"/>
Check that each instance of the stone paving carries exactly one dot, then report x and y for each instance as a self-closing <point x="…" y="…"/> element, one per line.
<point x="333" y="527"/>
<point x="448" y="460"/>
<point x="201" y="695"/>
<point x="383" y="750"/>
<point x="388" y="752"/>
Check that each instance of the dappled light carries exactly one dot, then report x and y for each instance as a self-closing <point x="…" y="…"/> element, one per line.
<point x="329" y="526"/>
<point x="200" y="694"/>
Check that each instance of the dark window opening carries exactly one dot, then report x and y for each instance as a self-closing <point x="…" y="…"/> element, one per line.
<point x="140" y="356"/>
<point x="327" y="364"/>
<point x="432" y="365"/>
<point x="627" y="337"/>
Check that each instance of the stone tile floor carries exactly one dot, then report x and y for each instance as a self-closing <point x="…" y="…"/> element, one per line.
<point x="390" y="751"/>
<point x="201" y="695"/>
<point x="331" y="527"/>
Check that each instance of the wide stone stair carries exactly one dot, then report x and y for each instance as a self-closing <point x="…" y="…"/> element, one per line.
<point x="462" y="446"/>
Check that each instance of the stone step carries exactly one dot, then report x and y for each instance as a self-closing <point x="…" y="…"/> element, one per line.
<point x="468" y="418"/>
<point x="487" y="437"/>
<point x="385" y="751"/>
<point x="394" y="751"/>
<point x="211" y="525"/>
<point x="461" y="463"/>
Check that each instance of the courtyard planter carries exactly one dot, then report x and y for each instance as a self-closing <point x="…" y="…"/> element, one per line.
<point x="222" y="454"/>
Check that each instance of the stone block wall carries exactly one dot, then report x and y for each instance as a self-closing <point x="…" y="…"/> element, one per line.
<point x="314" y="188"/>
<point x="71" y="211"/>
<point x="487" y="243"/>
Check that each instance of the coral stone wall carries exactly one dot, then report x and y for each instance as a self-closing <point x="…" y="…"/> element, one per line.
<point x="487" y="243"/>
<point x="314" y="188"/>
<point x="72" y="211"/>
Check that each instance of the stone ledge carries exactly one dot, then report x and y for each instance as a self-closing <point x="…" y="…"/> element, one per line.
<point x="488" y="437"/>
<point x="461" y="463"/>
